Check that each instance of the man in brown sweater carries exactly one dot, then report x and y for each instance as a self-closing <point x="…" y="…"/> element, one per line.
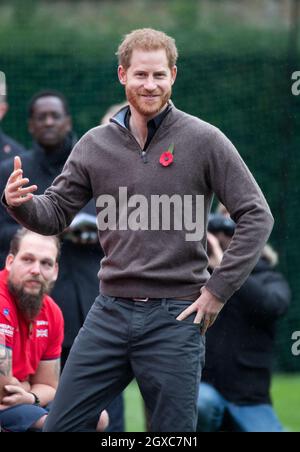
<point x="152" y="173"/>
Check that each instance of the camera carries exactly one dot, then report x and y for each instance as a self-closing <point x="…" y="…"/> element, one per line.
<point x="218" y="223"/>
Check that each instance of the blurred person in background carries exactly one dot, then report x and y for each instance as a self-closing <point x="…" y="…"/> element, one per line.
<point x="222" y="210"/>
<point x="8" y="146"/>
<point x="235" y="388"/>
<point x="50" y="125"/>
<point x="111" y="112"/>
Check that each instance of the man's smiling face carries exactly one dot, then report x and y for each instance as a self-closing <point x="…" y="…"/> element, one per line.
<point x="148" y="81"/>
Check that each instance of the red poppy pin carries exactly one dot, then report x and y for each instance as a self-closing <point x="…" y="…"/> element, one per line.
<point x="167" y="158"/>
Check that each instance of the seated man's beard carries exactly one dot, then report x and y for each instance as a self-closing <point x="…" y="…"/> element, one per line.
<point x="29" y="304"/>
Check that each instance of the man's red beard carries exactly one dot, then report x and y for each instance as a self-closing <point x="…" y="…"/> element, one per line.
<point x="29" y="304"/>
<point x="136" y="100"/>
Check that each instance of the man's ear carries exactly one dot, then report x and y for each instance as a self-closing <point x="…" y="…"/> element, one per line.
<point x="69" y="123"/>
<point x="3" y="109"/>
<point x="174" y="74"/>
<point x="30" y="126"/>
<point x="9" y="261"/>
<point x="56" y="272"/>
<point x="122" y="74"/>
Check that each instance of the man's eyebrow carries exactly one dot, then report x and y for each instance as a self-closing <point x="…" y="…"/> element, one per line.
<point x="49" y="260"/>
<point x="43" y="259"/>
<point x="49" y="112"/>
<point x="141" y="71"/>
<point x="27" y="254"/>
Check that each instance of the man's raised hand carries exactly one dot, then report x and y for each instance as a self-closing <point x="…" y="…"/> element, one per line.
<point x="15" y="193"/>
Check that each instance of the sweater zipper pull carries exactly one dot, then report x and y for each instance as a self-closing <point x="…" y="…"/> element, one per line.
<point x="144" y="157"/>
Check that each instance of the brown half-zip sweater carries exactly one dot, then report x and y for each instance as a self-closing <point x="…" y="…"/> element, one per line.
<point x="147" y="262"/>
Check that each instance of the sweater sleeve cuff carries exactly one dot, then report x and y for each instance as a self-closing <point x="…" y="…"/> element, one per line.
<point x="9" y="209"/>
<point x="219" y="288"/>
<point x="20" y="213"/>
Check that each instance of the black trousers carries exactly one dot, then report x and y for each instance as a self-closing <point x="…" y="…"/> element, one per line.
<point x="122" y="339"/>
<point x="115" y="409"/>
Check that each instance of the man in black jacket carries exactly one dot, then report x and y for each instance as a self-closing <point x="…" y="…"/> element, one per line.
<point x="235" y="390"/>
<point x="77" y="285"/>
<point x="8" y="146"/>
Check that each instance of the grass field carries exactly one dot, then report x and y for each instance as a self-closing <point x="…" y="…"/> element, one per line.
<point x="286" y="395"/>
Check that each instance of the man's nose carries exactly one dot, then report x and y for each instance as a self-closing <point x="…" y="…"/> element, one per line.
<point x="49" y="120"/>
<point x="35" y="268"/>
<point x="150" y="84"/>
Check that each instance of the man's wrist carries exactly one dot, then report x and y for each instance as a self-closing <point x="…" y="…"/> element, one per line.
<point x="206" y="292"/>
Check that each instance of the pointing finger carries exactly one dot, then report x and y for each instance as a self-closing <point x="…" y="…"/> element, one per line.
<point x="17" y="163"/>
<point x="15" y="176"/>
